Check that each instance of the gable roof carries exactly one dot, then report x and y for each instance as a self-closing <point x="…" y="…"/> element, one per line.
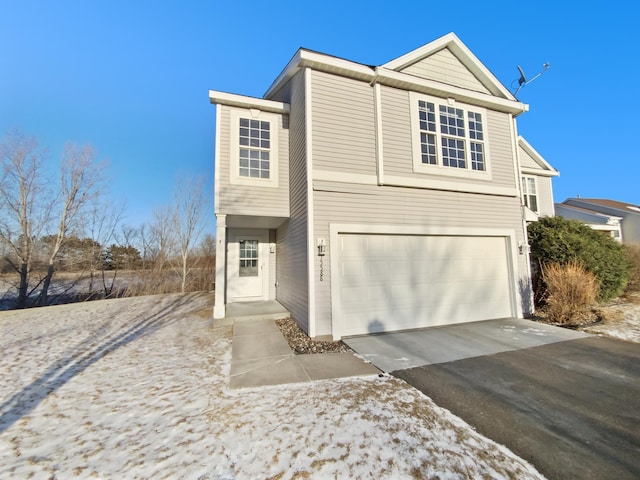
<point x="496" y="96"/>
<point x="603" y="202"/>
<point x="460" y="51"/>
<point x="593" y="216"/>
<point x="537" y="165"/>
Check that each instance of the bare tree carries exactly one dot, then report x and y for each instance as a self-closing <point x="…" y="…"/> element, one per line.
<point x="207" y="255"/>
<point x="80" y="183"/>
<point x="24" y="206"/>
<point x="188" y="218"/>
<point x="102" y="222"/>
<point x="162" y="236"/>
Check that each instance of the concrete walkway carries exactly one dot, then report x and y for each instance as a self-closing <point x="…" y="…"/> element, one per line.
<point x="260" y="356"/>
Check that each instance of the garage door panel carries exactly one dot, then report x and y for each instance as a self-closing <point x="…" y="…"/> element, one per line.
<point x="394" y="282"/>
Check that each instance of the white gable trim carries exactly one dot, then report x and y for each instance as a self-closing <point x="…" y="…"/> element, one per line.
<point x="539" y="173"/>
<point x="460" y="50"/>
<point x="320" y="61"/>
<point x="549" y="171"/>
<point x="386" y="76"/>
<point x="431" y="87"/>
<point x="233" y="100"/>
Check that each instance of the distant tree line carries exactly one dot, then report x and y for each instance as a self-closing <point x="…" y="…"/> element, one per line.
<point x="71" y="226"/>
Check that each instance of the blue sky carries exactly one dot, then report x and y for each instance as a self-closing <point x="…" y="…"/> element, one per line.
<point x="132" y="78"/>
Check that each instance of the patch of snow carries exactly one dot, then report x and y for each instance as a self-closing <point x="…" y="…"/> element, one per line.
<point x="535" y="331"/>
<point x="625" y="327"/>
<point x="138" y="388"/>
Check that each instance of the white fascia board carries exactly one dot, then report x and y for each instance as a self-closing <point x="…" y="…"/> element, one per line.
<point x="539" y="172"/>
<point x="289" y="71"/>
<point x="387" y="76"/>
<point x="319" y="61"/>
<point x="463" y="53"/>
<point x="234" y="100"/>
<point x="539" y="159"/>
<point x="431" y="87"/>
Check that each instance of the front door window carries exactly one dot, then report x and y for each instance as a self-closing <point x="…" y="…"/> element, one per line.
<point x="248" y="258"/>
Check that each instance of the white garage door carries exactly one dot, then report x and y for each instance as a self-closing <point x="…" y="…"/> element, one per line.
<point x="397" y="282"/>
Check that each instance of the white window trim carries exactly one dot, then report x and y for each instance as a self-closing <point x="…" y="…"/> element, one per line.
<point x="234" y="144"/>
<point x="439" y="169"/>
<point x="525" y="192"/>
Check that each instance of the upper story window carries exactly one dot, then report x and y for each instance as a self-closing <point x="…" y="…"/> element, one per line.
<point x="254" y="147"/>
<point x="448" y="139"/>
<point x="255" y="144"/>
<point x="530" y="193"/>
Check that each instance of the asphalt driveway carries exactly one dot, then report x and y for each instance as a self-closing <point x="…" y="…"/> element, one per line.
<point x="571" y="407"/>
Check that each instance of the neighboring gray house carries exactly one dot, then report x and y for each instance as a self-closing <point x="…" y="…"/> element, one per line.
<point x="368" y="199"/>
<point x="621" y="220"/>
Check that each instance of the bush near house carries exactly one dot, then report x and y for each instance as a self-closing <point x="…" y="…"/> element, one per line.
<point x="571" y="291"/>
<point x="561" y="241"/>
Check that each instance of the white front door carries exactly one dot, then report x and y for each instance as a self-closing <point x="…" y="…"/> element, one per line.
<point x="247" y="264"/>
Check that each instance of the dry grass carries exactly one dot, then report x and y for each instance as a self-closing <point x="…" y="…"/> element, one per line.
<point x="633" y="252"/>
<point x="572" y="290"/>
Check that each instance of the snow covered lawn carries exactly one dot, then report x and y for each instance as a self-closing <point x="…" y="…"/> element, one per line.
<point x="138" y="388"/>
<point x="622" y="320"/>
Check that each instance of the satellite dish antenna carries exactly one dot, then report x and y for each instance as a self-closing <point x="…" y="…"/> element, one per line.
<point x="522" y="81"/>
<point x="522" y="78"/>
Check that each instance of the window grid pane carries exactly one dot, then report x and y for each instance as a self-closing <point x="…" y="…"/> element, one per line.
<point x="453" y="153"/>
<point x="254" y="161"/>
<point x="475" y="126"/>
<point x="428" y="148"/>
<point x="477" y="156"/>
<point x="248" y="258"/>
<point x="427" y="112"/>
<point x="451" y="121"/>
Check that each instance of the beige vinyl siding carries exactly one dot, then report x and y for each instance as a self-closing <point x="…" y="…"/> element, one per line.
<point x="500" y="146"/>
<point x="343" y="124"/>
<point x="444" y="66"/>
<point x="397" y="140"/>
<point x="545" y="197"/>
<point x="525" y="159"/>
<point x="396" y="132"/>
<point x="252" y="200"/>
<point x="362" y="204"/>
<point x="291" y="237"/>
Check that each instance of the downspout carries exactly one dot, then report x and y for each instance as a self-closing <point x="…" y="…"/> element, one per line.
<point x="311" y="248"/>
<point x="377" y="108"/>
<point x="516" y="155"/>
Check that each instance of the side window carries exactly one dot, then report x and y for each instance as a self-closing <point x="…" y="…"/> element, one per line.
<point x="530" y="193"/>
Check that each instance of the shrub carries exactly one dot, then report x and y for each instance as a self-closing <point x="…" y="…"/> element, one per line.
<point x="571" y="291"/>
<point x="633" y="253"/>
<point x="557" y="240"/>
